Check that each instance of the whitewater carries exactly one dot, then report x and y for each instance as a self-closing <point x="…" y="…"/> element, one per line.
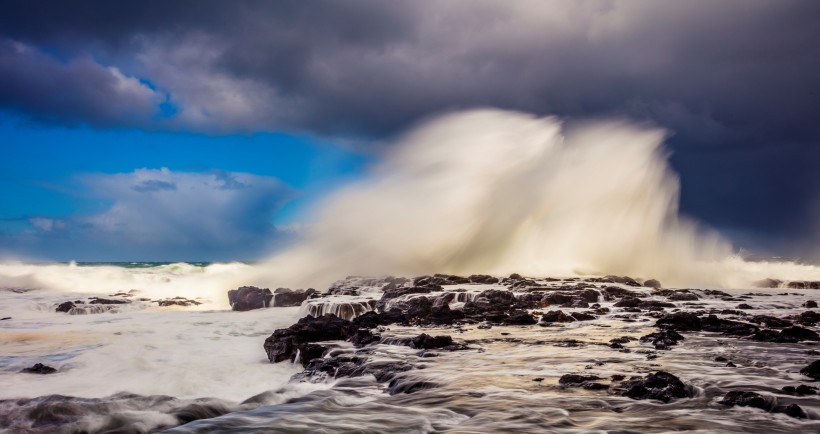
<point x="476" y="192"/>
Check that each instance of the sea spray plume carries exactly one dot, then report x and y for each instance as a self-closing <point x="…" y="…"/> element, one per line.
<point x="495" y="191"/>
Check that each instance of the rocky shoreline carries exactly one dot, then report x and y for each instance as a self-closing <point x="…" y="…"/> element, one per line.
<point x="423" y="302"/>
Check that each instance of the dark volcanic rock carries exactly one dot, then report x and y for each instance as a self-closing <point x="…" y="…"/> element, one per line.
<point x="624" y="280"/>
<point x="582" y="316"/>
<point x="65" y="306"/>
<point x="811" y="304"/>
<point x="809" y="317"/>
<point x="663" y="339"/>
<point x="483" y="279"/>
<point x="556" y="316"/>
<point x="247" y="298"/>
<point x="813" y="370"/>
<point x="284" y="343"/>
<point x="712" y="323"/>
<point x="745" y="399"/>
<point x="660" y="385"/>
<point x="427" y="342"/>
<point x="680" y="321"/>
<point x="652" y="283"/>
<point x="770" y="321"/>
<point x="97" y="300"/>
<point x="788" y="335"/>
<point x="285" y="297"/>
<point x="795" y="411"/>
<point x="520" y="317"/>
<point x="643" y="304"/>
<point x="576" y="380"/>
<point x="39" y="368"/>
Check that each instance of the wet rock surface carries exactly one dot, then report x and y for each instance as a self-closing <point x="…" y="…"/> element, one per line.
<point x="247" y="298"/>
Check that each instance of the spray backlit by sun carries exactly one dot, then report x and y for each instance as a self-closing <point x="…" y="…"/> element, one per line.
<point x="489" y="191"/>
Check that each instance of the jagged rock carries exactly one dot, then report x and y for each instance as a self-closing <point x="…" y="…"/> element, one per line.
<point x="559" y="299"/>
<point x="613" y="292"/>
<point x="65" y="306"/>
<point x="788" y="335"/>
<point x="284" y="343"/>
<point x="624" y="280"/>
<point x="483" y="279"/>
<point x="247" y="298"/>
<point x="652" y="283"/>
<point x="712" y="323"/>
<point x="745" y="399"/>
<point x="39" y="368"/>
<point x="795" y="411"/>
<point x="809" y="317"/>
<point x="585" y="381"/>
<point x="556" y="316"/>
<point x="812" y="370"/>
<point x="581" y="316"/>
<point x="680" y="321"/>
<point x="661" y="386"/>
<point x="663" y="339"/>
<point x="520" y="317"/>
<point x="177" y="301"/>
<point x="427" y="342"/>
<point x="97" y="300"/>
<point x="770" y="321"/>
<point x="285" y="297"/>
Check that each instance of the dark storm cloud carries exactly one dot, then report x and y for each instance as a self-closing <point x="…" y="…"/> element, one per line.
<point x="735" y="81"/>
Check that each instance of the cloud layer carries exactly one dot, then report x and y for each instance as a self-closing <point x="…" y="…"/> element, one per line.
<point x="164" y="215"/>
<point x="735" y="81"/>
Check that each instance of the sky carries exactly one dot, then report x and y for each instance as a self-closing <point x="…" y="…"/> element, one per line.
<point x="201" y="130"/>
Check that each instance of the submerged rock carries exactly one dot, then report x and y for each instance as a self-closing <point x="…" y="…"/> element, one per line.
<point x="556" y="316"/>
<point x="813" y="370"/>
<point x="745" y="399"/>
<point x="39" y="368"/>
<point x="65" y="307"/>
<point x="249" y="297"/>
<point x="680" y="321"/>
<point x="652" y="283"/>
<point x="661" y="386"/>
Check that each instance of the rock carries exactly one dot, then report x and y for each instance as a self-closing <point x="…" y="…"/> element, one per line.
<point x="745" y="399"/>
<point x="284" y="343"/>
<point x="643" y="304"/>
<point x="770" y="321"/>
<point x="797" y="334"/>
<point x="556" y="316"/>
<point x="427" y="342"/>
<point x="683" y="296"/>
<point x="624" y="280"/>
<point x="97" y="300"/>
<point x="652" y="283"/>
<point x="809" y="317"/>
<point x="680" y="321"/>
<point x="65" y="306"/>
<point x="795" y="411"/>
<point x="661" y="386"/>
<point x="39" y="368"/>
<point x="744" y="306"/>
<point x="575" y="380"/>
<point x="811" y="304"/>
<point x="483" y="279"/>
<point x="285" y="297"/>
<point x="581" y="316"/>
<point x="520" y="317"/>
<point x="712" y="323"/>
<point x="812" y="371"/>
<point x="247" y="298"/>
<point x="515" y="276"/>
<point x="663" y="339"/>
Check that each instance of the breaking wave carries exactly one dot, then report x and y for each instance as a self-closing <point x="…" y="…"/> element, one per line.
<point x="490" y="191"/>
